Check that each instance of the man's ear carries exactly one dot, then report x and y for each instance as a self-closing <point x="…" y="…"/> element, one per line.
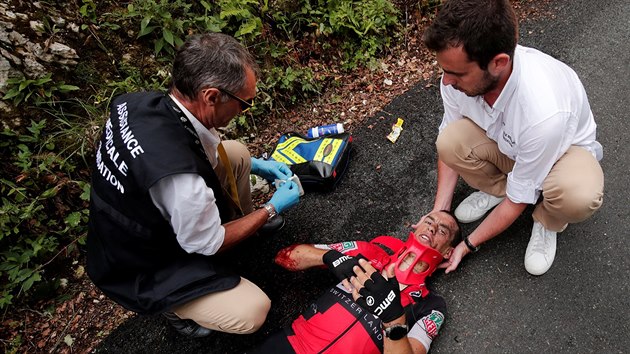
<point x="210" y="96"/>
<point x="448" y="253"/>
<point x="499" y="64"/>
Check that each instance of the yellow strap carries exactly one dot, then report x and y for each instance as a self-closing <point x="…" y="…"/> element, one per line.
<point x="284" y="151"/>
<point x="233" y="191"/>
<point x="278" y="157"/>
<point x="293" y="156"/>
<point x="289" y="141"/>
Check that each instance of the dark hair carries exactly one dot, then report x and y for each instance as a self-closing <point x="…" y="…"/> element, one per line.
<point x="457" y="236"/>
<point x="210" y="60"/>
<point x="484" y="27"/>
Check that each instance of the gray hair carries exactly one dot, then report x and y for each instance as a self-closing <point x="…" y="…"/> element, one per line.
<point x="210" y="60"/>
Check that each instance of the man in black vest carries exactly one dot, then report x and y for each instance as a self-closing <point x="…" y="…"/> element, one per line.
<point x="167" y="195"/>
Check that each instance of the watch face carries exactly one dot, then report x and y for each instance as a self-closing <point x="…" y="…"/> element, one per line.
<point x="396" y="332"/>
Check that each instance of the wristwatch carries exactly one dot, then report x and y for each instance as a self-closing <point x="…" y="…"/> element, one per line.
<point x="270" y="210"/>
<point x="396" y="332"/>
<point x="470" y="245"/>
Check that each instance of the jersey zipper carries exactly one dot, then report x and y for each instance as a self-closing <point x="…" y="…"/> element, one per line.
<point x="339" y="336"/>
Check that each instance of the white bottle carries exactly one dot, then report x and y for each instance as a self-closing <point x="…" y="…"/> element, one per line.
<point x="325" y="130"/>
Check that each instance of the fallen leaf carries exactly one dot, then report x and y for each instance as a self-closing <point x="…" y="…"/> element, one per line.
<point x="79" y="271"/>
<point x="68" y="340"/>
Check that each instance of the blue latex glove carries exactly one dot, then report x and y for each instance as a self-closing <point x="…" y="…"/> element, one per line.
<point x="285" y="197"/>
<point x="270" y="170"/>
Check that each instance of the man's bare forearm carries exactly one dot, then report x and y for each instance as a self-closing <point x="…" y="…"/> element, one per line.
<point x="300" y="257"/>
<point x="497" y="221"/>
<point x="446" y="182"/>
<point x="240" y="229"/>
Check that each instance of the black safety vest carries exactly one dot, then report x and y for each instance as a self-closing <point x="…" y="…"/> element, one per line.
<point x="133" y="253"/>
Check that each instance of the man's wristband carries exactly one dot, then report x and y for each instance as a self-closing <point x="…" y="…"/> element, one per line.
<point x="396" y="332"/>
<point x="271" y="210"/>
<point x="470" y="245"/>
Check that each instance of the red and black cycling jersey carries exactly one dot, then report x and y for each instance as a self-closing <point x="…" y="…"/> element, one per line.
<point x="335" y="323"/>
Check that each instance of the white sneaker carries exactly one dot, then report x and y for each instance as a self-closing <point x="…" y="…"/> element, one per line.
<point x="475" y="206"/>
<point x="541" y="250"/>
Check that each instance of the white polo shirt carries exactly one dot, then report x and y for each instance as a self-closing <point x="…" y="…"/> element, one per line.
<point x="540" y="113"/>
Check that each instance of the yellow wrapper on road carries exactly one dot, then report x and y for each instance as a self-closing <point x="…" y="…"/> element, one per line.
<point x="396" y="129"/>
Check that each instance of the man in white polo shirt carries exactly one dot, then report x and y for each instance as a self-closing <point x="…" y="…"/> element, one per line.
<point x="517" y="126"/>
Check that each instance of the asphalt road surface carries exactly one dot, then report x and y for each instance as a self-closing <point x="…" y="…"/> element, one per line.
<point x="580" y="306"/>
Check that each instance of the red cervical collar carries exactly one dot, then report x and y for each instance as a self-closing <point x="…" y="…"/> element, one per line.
<point x="422" y="253"/>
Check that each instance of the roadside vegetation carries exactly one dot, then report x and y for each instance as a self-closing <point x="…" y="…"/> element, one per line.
<point x="47" y="140"/>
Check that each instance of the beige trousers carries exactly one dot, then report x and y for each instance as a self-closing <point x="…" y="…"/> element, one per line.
<point x="243" y="309"/>
<point x="241" y="163"/>
<point x="572" y="191"/>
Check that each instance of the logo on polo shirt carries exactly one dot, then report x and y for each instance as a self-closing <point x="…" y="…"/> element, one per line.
<point x="508" y="139"/>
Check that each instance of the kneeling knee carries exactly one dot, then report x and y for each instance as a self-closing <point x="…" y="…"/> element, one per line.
<point x="253" y="315"/>
<point x="579" y="205"/>
<point x="446" y="147"/>
<point x="587" y="205"/>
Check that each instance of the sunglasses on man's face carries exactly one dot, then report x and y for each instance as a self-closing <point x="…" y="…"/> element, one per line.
<point x="245" y="105"/>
